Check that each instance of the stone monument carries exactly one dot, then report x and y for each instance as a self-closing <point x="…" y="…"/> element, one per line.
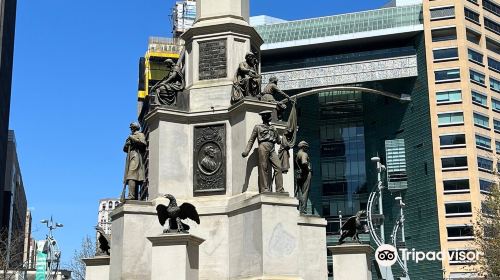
<point x="195" y="154"/>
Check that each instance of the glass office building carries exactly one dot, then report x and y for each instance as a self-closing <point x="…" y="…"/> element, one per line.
<point x="381" y="49"/>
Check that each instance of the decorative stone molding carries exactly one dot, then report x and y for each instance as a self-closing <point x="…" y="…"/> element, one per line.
<point x="348" y="73"/>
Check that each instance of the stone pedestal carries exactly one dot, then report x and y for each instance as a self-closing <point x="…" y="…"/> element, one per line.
<point x="175" y="256"/>
<point x="132" y="222"/>
<point x="97" y="268"/>
<point x="352" y="261"/>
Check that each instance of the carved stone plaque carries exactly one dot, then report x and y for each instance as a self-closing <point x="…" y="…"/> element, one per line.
<point x="213" y="59"/>
<point x="209" y="158"/>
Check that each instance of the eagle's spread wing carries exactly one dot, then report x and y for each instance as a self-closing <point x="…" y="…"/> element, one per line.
<point x="189" y="211"/>
<point x="162" y="212"/>
<point x="349" y="224"/>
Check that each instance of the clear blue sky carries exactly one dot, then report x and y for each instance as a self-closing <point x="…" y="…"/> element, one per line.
<point x="74" y="95"/>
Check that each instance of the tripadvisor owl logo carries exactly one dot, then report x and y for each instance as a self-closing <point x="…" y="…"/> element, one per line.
<point x="386" y="255"/>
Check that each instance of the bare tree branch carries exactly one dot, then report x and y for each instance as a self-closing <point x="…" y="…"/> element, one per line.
<point x="76" y="265"/>
<point x="11" y="253"/>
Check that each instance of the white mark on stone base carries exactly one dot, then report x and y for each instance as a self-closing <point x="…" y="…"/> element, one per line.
<point x="281" y="243"/>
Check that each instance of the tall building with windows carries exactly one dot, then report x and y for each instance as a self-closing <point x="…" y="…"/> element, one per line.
<point x="7" y="30"/>
<point x="183" y="16"/>
<point x="14" y="219"/>
<point x="463" y="54"/>
<point x="106" y="206"/>
<point x="346" y="125"/>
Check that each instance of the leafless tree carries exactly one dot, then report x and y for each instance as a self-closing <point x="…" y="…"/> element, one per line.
<point x="86" y="250"/>
<point x="11" y="253"/>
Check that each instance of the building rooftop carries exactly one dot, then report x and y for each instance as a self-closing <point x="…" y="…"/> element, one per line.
<point x="162" y="44"/>
<point x="379" y="22"/>
<point x="263" y="19"/>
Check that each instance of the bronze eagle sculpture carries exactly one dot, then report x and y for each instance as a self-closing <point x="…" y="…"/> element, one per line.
<point x="103" y="242"/>
<point x="352" y="227"/>
<point x="175" y="214"/>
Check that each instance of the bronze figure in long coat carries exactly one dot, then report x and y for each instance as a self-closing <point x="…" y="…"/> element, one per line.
<point x="135" y="146"/>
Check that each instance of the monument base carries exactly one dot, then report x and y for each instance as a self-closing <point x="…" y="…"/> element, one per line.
<point x="97" y="268"/>
<point x="175" y="256"/>
<point x="247" y="237"/>
<point x="351" y="261"/>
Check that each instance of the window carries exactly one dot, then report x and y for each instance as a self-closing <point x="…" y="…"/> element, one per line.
<point x="458" y="209"/>
<point x="496" y="125"/>
<point x="483" y="142"/>
<point x="494" y="84"/>
<point x="494" y="64"/>
<point x="475" y="56"/>
<point x="485" y="186"/>
<point x="495" y="104"/>
<point x="473" y="36"/>
<point x="456" y="185"/>
<point x="454" y="163"/>
<point x="493" y="45"/>
<point x="491" y="7"/>
<point x="460" y="232"/>
<point x="442" y="13"/>
<point x="480" y="120"/>
<point x="445" y="54"/>
<point x="479" y="99"/>
<point x="484" y="164"/>
<point x="444" y="34"/>
<point x="452" y="96"/>
<point x="486" y="210"/>
<point x="497" y="147"/>
<point x="448" y="75"/>
<point x="451" y="118"/>
<point x="454" y="140"/>
<point x="472" y="16"/>
<point x="473" y="1"/>
<point x="326" y="209"/>
<point x="477" y="77"/>
<point x="492" y="25"/>
<point x="395" y="164"/>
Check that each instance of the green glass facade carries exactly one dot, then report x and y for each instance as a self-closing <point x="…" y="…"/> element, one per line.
<point x="392" y="17"/>
<point x="345" y="129"/>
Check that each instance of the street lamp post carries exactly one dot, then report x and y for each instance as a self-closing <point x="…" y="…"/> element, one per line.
<point x="340" y="222"/>
<point x="51" y="249"/>
<point x="403" y="238"/>
<point x="380" y="169"/>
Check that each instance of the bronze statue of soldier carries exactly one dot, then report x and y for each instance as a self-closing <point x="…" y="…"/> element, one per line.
<point x="267" y="136"/>
<point x="165" y="91"/>
<point x="247" y="80"/>
<point x="304" y="174"/>
<point x="135" y="146"/>
<point x="269" y="93"/>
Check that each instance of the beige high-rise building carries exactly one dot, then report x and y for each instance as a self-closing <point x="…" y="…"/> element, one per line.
<point x="106" y="205"/>
<point x="463" y="67"/>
